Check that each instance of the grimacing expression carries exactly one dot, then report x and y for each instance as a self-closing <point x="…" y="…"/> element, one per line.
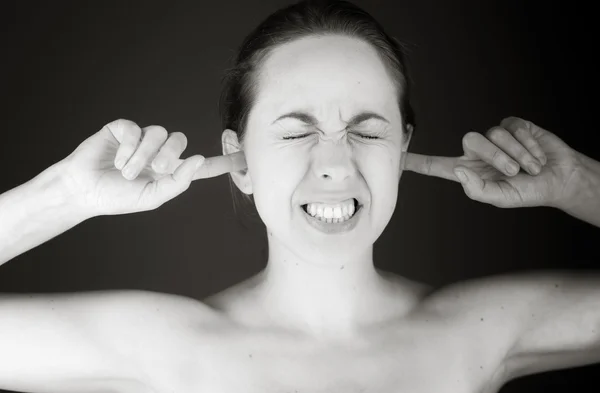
<point x="292" y="161"/>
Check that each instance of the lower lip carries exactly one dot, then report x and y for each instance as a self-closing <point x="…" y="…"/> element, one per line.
<point x="333" y="227"/>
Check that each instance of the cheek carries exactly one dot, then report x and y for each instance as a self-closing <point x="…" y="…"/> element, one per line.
<point x="381" y="171"/>
<point x="381" y="163"/>
<point x="277" y="178"/>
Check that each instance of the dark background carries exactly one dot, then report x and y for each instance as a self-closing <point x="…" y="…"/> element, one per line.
<point x="70" y="68"/>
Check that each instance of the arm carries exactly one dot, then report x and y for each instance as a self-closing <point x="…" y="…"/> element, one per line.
<point x="35" y="212"/>
<point x="68" y="342"/>
<point x="529" y="322"/>
<point x="558" y="327"/>
<point x="585" y="205"/>
<point x="117" y="341"/>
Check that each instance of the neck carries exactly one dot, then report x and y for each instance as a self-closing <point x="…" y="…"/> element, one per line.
<point x="335" y="297"/>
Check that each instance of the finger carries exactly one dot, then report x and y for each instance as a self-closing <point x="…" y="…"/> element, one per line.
<point x="472" y="184"/>
<point x="128" y="134"/>
<point x="430" y="165"/>
<point x="500" y="193"/>
<point x="475" y="144"/>
<point x="216" y="166"/>
<point x="168" y="187"/>
<point x="515" y="149"/>
<point x="219" y="165"/>
<point x="165" y="160"/>
<point x="152" y="140"/>
<point x="522" y="130"/>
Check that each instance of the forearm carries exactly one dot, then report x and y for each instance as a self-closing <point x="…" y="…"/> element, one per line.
<point x="586" y="203"/>
<point x="34" y="213"/>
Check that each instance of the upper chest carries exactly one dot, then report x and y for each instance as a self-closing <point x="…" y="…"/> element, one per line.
<point x="419" y="358"/>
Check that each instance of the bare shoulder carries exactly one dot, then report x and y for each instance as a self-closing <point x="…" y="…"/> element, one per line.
<point x="101" y="338"/>
<point x="160" y="332"/>
<point x="496" y="301"/>
<point x="173" y="305"/>
<point x="492" y="313"/>
<point x="131" y="305"/>
<point x="157" y="321"/>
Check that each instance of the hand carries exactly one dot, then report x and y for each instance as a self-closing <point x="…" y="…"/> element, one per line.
<point x="124" y="169"/>
<point x="488" y="177"/>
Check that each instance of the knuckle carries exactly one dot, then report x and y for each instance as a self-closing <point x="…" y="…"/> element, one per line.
<point x="129" y="126"/>
<point x="180" y="139"/>
<point x="522" y="123"/>
<point x="522" y="133"/>
<point x="496" y="133"/>
<point x="470" y="138"/>
<point x="115" y="124"/>
<point x="513" y="122"/>
<point x="131" y="138"/>
<point x="516" y="123"/>
<point x="156" y="132"/>
<point x="509" y="120"/>
<point x="126" y="131"/>
<point x="121" y="123"/>
<point x="498" y="157"/>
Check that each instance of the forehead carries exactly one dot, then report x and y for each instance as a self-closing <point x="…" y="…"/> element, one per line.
<point x="322" y="73"/>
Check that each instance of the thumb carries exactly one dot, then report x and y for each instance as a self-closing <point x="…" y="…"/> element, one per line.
<point x="184" y="173"/>
<point x="170" y="186"/>
<point x="471" y="182"/>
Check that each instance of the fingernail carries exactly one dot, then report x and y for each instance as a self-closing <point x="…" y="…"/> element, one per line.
<point x="120" y="162"/>
<point x="461" y="176"/>
<point x="129" y="172"/>
<point x="534" y="168"/>
<point x="511" y="167"/>
<point x="542" y="159"/>
<point x="160" y="164"/>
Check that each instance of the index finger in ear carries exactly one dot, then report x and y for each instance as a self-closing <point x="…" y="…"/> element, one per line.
<point x="430" y="165"/>
<point x="522" y="131"/>
<point x="219" y="165"/>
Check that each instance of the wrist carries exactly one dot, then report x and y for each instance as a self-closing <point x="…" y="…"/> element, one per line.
<point x="35" y="212"/>
<point x="583" y="186"/>
<point x="60" y="193"/>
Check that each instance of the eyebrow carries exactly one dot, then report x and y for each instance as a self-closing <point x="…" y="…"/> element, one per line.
<point x="311" y="120"/>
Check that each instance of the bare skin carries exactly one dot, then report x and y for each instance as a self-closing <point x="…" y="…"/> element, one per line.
<point x="320" y="317"/>
<point x="382" y="357"/>
<point x="237" y="348"/>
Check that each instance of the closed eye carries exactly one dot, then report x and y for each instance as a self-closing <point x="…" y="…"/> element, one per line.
<point x="289" y="137"/>
<point x="368" y="136"/>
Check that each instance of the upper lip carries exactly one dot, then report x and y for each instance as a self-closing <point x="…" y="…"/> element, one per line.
<point x="330" y="199"/>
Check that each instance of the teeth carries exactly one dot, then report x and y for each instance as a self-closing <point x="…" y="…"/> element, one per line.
<point x="335" y="213"/>
<point x="328" y="212"/>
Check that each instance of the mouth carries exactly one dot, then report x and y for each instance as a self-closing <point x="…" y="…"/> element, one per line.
<point x="332" y="213"/>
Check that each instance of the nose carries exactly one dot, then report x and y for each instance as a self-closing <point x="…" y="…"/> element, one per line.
<point x="333" y="161"/>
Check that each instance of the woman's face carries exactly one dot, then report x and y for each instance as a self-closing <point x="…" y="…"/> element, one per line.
<point x="328" y="80"/>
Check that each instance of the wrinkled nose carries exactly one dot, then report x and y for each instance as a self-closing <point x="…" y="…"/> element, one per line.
<point x="333" y="162"/>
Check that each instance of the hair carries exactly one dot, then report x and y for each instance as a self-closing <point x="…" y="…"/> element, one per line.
<point x="303" y="19"/>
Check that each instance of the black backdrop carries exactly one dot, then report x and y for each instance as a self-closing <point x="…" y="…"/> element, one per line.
<point x="70" y="68"/>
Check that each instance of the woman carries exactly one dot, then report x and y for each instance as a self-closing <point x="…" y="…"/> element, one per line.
<point x="317" y="126"/>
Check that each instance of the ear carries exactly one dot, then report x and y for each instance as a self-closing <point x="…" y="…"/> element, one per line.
<point x="407" y="137"/>
<point x="231" y="144"/>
